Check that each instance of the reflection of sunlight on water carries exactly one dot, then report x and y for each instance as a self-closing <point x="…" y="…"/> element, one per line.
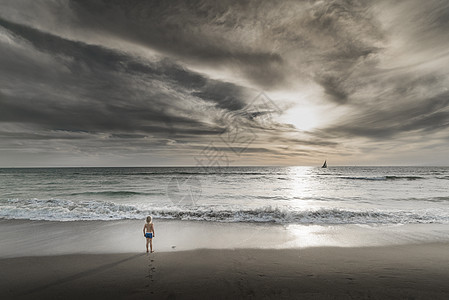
<point x="304" y="236"/>
<point x="302" y="186"/>
<point x="356" y="235"/>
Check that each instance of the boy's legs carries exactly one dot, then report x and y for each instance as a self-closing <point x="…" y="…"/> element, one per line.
<point x="148" y="240"/>
<point x="151" y="245"/>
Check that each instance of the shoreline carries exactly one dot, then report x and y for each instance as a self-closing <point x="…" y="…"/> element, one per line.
<point x="384" y="272"/>
<point x="20" y="238"/>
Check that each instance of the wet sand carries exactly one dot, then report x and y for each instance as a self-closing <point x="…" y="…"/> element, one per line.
<point x="49" y="238"/>
<point x="417" y="271"/>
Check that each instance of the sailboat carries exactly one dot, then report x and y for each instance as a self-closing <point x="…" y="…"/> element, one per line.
<point x="324" y="165"/>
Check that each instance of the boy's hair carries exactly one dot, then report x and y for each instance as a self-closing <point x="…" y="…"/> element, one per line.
<point x="149" y="219"/>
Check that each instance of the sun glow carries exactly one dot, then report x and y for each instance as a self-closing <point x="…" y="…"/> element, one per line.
<point x="303" y="117"/>
<point x="299" y="109"/>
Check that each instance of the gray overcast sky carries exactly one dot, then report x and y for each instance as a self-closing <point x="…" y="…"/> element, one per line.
<point x="129" y="83"/>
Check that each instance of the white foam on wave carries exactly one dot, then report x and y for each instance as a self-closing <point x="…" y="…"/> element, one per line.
<point x="67" y="210"/>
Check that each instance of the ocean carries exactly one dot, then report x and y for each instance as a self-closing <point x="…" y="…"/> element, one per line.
<point x="268" y="195"/>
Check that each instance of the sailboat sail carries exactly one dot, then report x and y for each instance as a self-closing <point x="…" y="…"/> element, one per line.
<point x="324" y="165"/>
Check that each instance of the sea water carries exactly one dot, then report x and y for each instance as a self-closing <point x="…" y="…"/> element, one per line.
<point x="278" y="195"/>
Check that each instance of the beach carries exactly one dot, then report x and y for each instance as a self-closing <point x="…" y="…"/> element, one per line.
<point x="389" y="272"/>
<point x="252" y="233"/>
<point x="100" y="259"/>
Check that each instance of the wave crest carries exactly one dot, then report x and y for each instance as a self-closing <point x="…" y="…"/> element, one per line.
<point x="66" y="210"/>
<point x="383" y="178"/>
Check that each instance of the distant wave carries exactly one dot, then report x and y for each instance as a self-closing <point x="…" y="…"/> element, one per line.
<point x="66" y="210"/>
<point x="216" y="171"/>
<point x="111" y="193"/>
<point x="439" y="199"/>
<point x="382" y="178"/>
<point x="219" y="172"/>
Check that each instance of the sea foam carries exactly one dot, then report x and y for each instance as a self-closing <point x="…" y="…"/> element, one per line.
<point x="67" y="210"/>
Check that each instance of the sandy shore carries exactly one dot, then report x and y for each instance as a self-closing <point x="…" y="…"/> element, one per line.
<point x="389" y="272"/>
<point x="44" y="238"/>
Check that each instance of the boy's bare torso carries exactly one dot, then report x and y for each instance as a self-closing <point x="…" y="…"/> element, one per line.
<point x="149" y="227"/>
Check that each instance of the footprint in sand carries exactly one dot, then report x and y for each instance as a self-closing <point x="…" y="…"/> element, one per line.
<point x="151" y="270"/>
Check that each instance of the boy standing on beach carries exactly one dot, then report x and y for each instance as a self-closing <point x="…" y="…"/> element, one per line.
<point x="148" y="232"/>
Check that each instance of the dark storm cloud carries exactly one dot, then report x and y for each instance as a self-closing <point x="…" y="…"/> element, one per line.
<point x="333" y="88"/>
<point x="42" y="136"/>
<point x="399" y="89"/>
<point x="429" y="115"/>
<point x="271" y="44"/>
<point x="345" y="39"/>
<point x="98" y="89"/>
<point x="200" y="31"/>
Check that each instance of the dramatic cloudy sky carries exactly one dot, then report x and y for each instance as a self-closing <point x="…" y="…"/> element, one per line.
<point x="113" y="83"/>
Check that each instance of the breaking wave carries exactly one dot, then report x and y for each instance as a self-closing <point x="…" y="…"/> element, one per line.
<point x="66" y="210"/>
